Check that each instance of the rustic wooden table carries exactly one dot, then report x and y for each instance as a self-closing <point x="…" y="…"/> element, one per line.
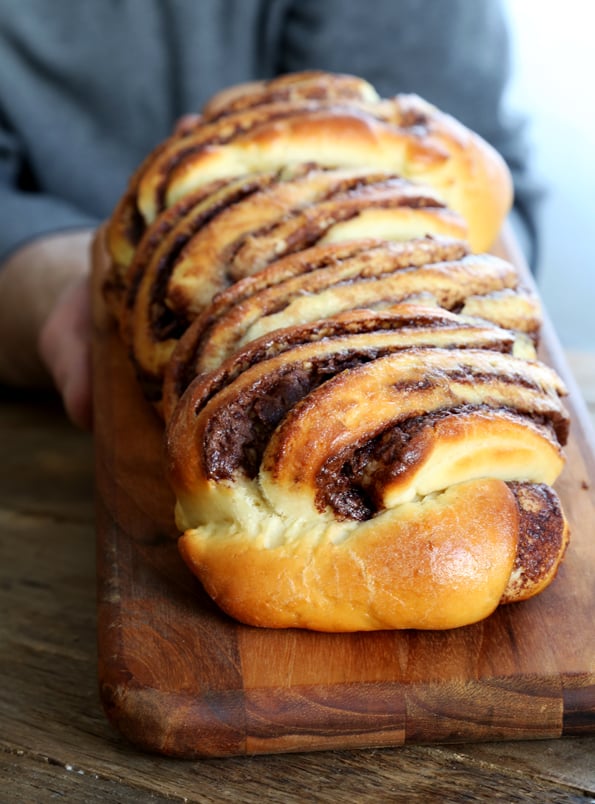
<point x="56" y="743"/>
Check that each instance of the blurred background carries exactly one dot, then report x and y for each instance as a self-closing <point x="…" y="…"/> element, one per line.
<point x="554" y="83"/>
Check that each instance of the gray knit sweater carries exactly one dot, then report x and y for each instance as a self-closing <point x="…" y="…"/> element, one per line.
<point x="88" y="87"/>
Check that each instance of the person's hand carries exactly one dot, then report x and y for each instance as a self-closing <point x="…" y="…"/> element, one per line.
<point x="45" y="319"/>
<point x="65" y="348"/>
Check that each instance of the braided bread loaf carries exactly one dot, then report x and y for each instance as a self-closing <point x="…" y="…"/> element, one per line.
<point x="359" y="433"/>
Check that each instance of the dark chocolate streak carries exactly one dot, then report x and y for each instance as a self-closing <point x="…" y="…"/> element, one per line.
<point x="221" y="135"/>
<point x="312" y="94"/>
<point x="349" y="204"/>
<point x="157" y="232"/>
<point x="201" y="327"/>
<point x="227" y="300"/>
<point x="280" y="341"/>
<point x="135" y="225"/>
<point x="164" y="323"/>
<point x="237" y="433"/>
<point x="228" y="127"/>
<point x="349" y="481"/>
<point x="284" y="295"/>
<point x="541" y="528"/>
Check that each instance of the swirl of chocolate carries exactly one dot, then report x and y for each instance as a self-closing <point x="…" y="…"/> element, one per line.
<point x="404" y="326"/>
<point x="123" y="293"/>
<point x="146" y="321"/>
<point x="469" y="177"/>
<point x="144" y="199"/>
<point x="267" y="215"/>
<point x="305" y="460"/>
<point x="126" y="225"/>
<point x="296" y="213"/>
<point x="327" y="280"/>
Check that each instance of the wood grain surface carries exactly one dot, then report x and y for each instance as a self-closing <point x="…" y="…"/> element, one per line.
<point x="179" y="678"/>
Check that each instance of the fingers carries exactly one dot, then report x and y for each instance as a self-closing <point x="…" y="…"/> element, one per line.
<point x="64" y="346"/>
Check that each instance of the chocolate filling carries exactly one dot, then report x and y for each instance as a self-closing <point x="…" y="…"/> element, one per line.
<point x="238" y="432"/>
<point x="158" y="230"/>
<point x="447" y="290"/>
<point x="303" y="93"/>
<point x="202" y="328"/>
<point x="283" y="340"/>
<point x="349" y="482"/>
<point x="135" y="225"/>
<point x="230" y="126"/>
<point x="353" y="192"/>
<point x="164" y="323"/>
<point x="339" y="205"/>
<point x="541" y="530"/>
<point x="224" y="133"/>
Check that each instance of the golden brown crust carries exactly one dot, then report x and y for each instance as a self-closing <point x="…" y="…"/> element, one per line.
<point x="408" y="569"/>
<point x="469" y="177"/>
<point x="411" y="570"/>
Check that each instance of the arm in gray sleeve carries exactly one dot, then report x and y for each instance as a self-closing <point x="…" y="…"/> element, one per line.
<point x="26" y="214"/>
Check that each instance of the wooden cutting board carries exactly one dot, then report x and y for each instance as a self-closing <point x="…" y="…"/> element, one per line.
<point x="180" y="678"/>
